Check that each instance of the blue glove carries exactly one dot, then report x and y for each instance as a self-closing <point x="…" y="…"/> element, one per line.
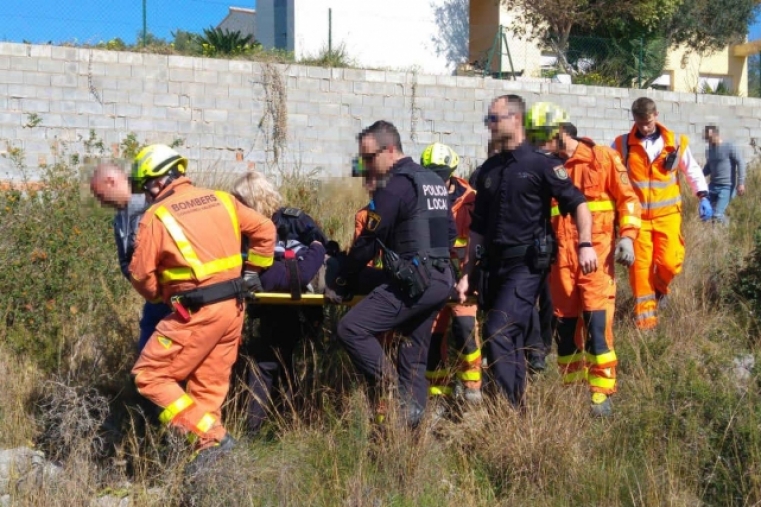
<point x="705" y="210"/>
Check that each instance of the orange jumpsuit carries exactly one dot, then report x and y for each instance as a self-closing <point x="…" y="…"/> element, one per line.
<point x="659" y="249"/>
<point x="462" y="317"/>
<point x="190" y="238"/>
<point x="589" y="357"/>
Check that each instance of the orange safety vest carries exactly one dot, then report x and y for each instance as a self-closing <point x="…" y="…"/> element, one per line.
<point x="655" y="183"/>
<point x="593" y="170"/>
<point x="461" y="210"/>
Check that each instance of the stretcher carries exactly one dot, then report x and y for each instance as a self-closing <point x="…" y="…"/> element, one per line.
<point x="278" y="298"/>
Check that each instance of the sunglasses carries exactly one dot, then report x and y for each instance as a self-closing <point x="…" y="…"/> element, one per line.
<point x="494" y="118"/>
<point x="368" y="158"/>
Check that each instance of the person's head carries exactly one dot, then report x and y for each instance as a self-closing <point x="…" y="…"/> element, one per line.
<point x="255" y="191"/>
<point x="544" y="126"/>
<point x="645" y="115"/>
<point x="505" y="119"/>
<point x="711" y="134"/>
<point x="155" y="167"/>
<point x="440" y="159"/>
<point x="110" y="185"/>
<point x="380" y="147"/>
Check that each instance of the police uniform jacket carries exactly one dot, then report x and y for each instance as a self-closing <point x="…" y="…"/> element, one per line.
<point x="125" y="230"/>
<point x="395" y="202"/>
<point x="513" y="195"/>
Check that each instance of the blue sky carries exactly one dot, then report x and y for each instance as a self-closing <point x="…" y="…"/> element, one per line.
<point x="91" y="21"/>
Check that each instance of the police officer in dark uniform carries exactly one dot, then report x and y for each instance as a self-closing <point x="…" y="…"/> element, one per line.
<point x="511" y="233"/>
<point x="413" y="226"/>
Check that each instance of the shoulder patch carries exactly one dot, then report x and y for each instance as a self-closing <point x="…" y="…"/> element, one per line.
<point x="560" y="172"/>
<point x="373" y="220"/>
<point x="624" y="178"/>
<point x="292" y="212"/>
<point x="487" y="183"/>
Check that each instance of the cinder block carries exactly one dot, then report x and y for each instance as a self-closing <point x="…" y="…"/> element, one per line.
<point x="464" y="106"/>
<point x="340" y="86"/>
<point x="14" y="49"/>
<point x="150" y="72"/>
<point x="182" y="75"/>
<point x="100" y="122"/>
<point x="397" y="102"/>
<point x="215" y="115"/>
<point x="35" y="106"/>
<point x="375" y="76"/>
<point x="159" y="87"/>
<point x="13" y="76"/>
<point x="205" y="76"/>
<point x="103" y="56"/>
<point x="241" y="66"/>
<point x="230" y="78"/>
<point x="130" y="59"/>
<point x="33" y="78"/>
<point x="318" y="72"/>
<point x="355" y="75"/>
<point x="180" y="62"/>
<point x="178" y="113"/>
<point x="216" y="90"/>
<point x="23" y="63"/>
<point x="75" y="121"/>
<point x="373" y="100"/>
<point x="216" y="64"/>
<point x="130" y="84"/>
<point x="128" y="110"/>
<point x="587" y="101"/>
<point x="48" y="93"/>
<point x="166" y="100"/>
<point x="308" y="83"/>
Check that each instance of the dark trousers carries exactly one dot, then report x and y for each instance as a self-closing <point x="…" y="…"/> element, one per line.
<point x="387" y="308"/>
<point x="539" y="334"/>
<point x="280" y="330"/>
<point x="152" y="315"/>
<point x="513" y="290"/>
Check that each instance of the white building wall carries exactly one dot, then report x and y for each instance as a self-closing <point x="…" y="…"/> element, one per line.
<point x="274" y="23"/>
<point x="431" y="35"/>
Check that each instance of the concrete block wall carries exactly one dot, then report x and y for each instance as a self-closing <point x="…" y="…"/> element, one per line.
<point x="219" y="108"/>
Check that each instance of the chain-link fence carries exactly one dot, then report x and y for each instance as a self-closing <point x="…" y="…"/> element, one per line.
<point x="122" y="24"/>
<point x="637" y="63"/>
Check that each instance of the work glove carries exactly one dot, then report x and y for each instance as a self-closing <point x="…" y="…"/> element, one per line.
<point x="252" y="282"/>
<point x="705" y="210"/>
<point x="625" y="252"/>
<point x="339" y="293"/>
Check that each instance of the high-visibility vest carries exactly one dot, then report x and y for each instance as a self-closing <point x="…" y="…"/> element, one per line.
<point x="656" y="183"/>
<point x="197" y="270"/>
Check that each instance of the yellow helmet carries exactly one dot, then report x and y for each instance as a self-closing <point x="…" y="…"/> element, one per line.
<point x="155" y="161"/>
<point x="440" y="158"/>
<point x="543" y="122"/>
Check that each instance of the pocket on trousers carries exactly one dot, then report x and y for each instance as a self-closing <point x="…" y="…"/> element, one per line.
<point x="164" y="352"/>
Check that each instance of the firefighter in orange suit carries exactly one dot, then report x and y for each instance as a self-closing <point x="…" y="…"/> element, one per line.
<point x="443" y="160"/>
<point x="652" y="154"/>
<point x="585" y="349"/>
<point x="188" y="254"/>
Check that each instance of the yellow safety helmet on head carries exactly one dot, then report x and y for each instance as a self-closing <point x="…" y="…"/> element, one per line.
<point x="155" y="161"/>
<point x="441" y="159"/>
<point x="543" y="122"/>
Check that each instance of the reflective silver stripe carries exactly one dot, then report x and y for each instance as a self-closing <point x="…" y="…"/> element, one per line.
<point x="645" y="315"/>
<point x="661" y="204"/>
<point x="653" y="184"/>
<point x="642" y="299"/>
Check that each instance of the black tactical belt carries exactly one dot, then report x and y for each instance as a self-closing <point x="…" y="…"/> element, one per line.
<point x="510" y="252"/>
<point x="204" y="296"/>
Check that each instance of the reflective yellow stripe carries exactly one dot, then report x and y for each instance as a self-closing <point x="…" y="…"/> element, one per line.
<point x="604" y="383"/>
<point x="631" y="220"/>
<point x="170" y="412"/>
<point x="215" y="266"/>
<point x="460" y="242"/>
<point x="196" y="268"/>
<point x="437" y="375"/>
<point x="439" y="391"/>
<point x="206" y="422"/>
<point x="228" y="204"/>
<point x="575" y="376"/>
<point x="175" y="231"/>
<point x="469" y="376"/>
<point x="573" y="358"/>
<point x="263" y="261"/>
<point x="593" y="206"/>
<point x="606" y="358"/>
<point x="473" y="356"/>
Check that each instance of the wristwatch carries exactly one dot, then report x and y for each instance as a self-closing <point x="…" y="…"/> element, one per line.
<point x="702" y="194"/>
<point x="585" y="244"/>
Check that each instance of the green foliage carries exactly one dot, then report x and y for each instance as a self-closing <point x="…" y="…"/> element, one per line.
<point x="334" y="57"/>
<point x="59" y="267"/>
<point x="216" y="41"/>
<point x="747" y="283"/>
<point x="721" y="89"/>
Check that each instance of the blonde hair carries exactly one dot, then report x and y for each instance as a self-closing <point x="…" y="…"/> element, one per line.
<point x="255" y="191"/>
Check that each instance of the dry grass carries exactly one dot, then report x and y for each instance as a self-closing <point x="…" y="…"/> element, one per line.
<point x="683" y="433"/>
